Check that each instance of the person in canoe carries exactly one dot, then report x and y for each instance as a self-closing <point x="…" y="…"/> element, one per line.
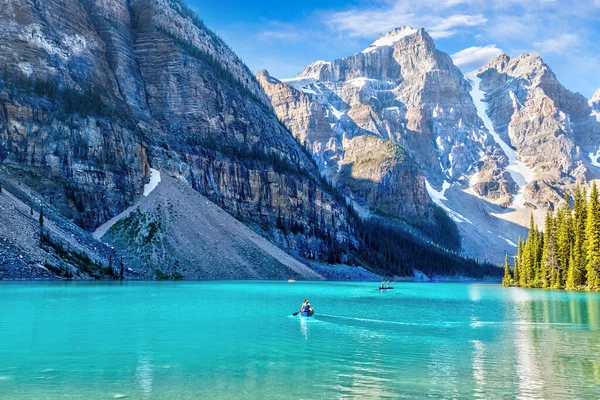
<point x="306" y="307"/>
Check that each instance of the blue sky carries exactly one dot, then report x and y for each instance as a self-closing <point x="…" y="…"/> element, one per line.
<point x="285" y="36"/>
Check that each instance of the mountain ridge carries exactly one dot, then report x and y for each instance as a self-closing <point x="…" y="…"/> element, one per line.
<point x="104" y="92"/>
<point x="508" y="110"/>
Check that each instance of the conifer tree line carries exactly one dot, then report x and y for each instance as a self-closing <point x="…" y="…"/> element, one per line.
<point x="72" y="101"/>
<point x="566" y="255"/>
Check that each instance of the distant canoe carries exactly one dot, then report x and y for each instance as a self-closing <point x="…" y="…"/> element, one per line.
<point x="291" y="281"/>
<point x="385" y="288"/>
<point x="308" y="314"/>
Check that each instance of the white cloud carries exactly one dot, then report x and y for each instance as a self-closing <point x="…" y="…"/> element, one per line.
<point x="476" y="56"/>
<point x="278" y="35"/>
<point x="557" y="45"/>
<point x="276" y="31"/>
<point x="371" y="22"/>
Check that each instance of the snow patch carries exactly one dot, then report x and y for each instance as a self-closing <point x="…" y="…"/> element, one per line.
<point x="154" y="181"/>
<point x="337" y="113"/>
<point x="307" y="90"/>
<point x="390" y="38"/>
<point x="518" y="170"/>
<point x="438" y="196"/>
<point x="594" y="158"/>
<point x="358" y="82"/>
<point x="299" y="83"/>
<point x="510" y="242"/>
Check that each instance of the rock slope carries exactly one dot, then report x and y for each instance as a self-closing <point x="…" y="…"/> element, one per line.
<point x="189" y="237"/>
<point x="63" y="251"/>
<point x="549" y="127"/>
<point x="93" y="93"/>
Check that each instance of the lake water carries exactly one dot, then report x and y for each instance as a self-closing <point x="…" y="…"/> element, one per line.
<point x="238" y="340"/>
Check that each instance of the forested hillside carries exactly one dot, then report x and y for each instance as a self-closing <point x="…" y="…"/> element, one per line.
<point x="566" y="255"/>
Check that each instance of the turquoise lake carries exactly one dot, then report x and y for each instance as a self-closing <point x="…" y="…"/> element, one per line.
<point x="238" y="340"/>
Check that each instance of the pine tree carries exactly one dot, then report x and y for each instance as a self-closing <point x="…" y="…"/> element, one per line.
<point x="517" y="262"/>
<point x="41" y="217"/>
<point x="563" y="243"/>
<point x="562" y="246"/>
<point x="549" y="257"/>
<point x="525" y="262"/>
<point x="576" y="273"/>
<point x="569" y="283"/>
<point x="507" y="279"/>
<point x="592" y="234"/>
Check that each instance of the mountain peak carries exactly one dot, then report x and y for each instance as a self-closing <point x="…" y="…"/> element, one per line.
<point x="313" y="70"/>
<point x="388" y="39"/>
<point x="596" y="97"/>
<point x="528" y="65"/>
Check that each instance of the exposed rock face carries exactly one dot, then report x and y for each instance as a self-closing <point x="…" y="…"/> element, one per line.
<point x="376" y="173"/>
<point x="508" y="141"/>
<point x="494" y="183"/>
<point x="404" y="91"/>
<point x="549" y="126"/>
<point x="122" y="85"/>
<point x="76" y="163"/>
<point x="163" y="231"/>
<point x="408" y="92"/>
<point x="63" y="251"/>
<point x="379" y="174"/>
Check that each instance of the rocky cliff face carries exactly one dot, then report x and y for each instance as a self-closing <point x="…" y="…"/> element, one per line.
<point x="399" y="90"/>
<point x="551" y="129"/>
<point x="375" y="172"/>
<point x="490" y="148"/>
<point x="76" y="163"/>
<point x="94" y="92"/>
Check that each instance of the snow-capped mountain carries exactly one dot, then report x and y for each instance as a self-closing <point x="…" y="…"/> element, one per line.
<point x="549" y="126"/>
<point x="491" y="147"/>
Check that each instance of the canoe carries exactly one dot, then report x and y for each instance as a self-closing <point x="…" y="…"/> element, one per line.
<point x="308" y="314"/>
<point x="385" y="288"/>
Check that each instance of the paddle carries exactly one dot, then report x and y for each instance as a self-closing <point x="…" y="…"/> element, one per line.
<point x="296" y="313"/>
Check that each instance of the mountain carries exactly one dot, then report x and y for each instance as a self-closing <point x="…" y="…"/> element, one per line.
<point x="402" y="92"/>
<point x="491" y="148"/>
<point x="549" y="127"/>
<point x="376" y="173"/>
<point x="94" y="93"/>
<point x="100" y="97"/>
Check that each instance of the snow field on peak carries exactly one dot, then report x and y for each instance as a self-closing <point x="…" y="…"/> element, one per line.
<point x="390" y="38"/>
<point x="518" y="170"/>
